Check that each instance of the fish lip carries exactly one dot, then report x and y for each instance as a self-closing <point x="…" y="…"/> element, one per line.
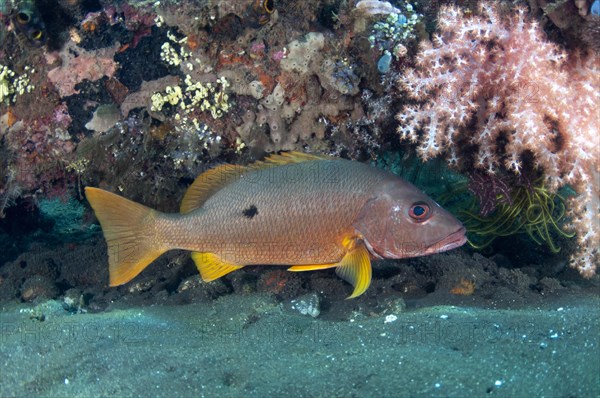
<point x="452" y="241"/>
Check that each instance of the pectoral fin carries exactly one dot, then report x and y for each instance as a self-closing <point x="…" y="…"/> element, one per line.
<point x="211" y="266"/>
<point x="355" y="268"/>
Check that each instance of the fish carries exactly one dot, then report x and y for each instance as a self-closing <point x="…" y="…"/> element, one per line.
<point x="304" y="211"/>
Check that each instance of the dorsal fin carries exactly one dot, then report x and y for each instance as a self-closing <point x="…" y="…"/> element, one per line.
<point x="213" y="180"/>
<point x="207" y="183"/>
<point x="287" y="158"/>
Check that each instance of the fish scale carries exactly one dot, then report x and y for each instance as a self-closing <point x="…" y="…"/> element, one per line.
<point x="326" y="209"/>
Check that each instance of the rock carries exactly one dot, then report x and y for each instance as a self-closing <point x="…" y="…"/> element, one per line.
<point x="308" y="304"/>
<point x="38" y="287"/>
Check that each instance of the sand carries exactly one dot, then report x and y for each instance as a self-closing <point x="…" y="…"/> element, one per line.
<point x="251" y="346"/>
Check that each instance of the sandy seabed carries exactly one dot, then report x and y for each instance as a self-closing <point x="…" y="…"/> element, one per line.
<point x="250" y="346"/>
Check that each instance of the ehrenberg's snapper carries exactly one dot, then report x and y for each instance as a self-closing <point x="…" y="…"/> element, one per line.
<point x="304" y="211"/>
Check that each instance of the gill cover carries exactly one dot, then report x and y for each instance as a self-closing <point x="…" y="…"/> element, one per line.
<point x="372" y="224"/>
<point x="399" y="225"/>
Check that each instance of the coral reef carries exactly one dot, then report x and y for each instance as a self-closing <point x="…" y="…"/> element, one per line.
<point x="201" y="90"/>
<point x="140" y="97"/>
<point x="496" y="95"/>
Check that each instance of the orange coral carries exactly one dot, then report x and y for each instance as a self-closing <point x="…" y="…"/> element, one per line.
<point x="11" y="118"/>
<point x="89" y="26"/>
<point x="266" y="79"/>
<point x="193" y="42"/>
<point x="274" y="281"/>
<point x="465" y="287"/>
<point x="229" y="57"/>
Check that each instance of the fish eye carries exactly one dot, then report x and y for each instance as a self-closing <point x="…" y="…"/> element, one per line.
<point x="419" y="212"/>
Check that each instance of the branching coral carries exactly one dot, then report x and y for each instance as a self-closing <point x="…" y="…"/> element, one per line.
<point x="496" y="95"/>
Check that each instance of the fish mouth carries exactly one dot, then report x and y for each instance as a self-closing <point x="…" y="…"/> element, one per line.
<point x="452" y="241"/>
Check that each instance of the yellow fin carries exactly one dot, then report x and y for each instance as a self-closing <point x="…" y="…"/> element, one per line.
<point x="211" y="266"/>
<point x="213" y="180"/>
<point x="355" y="268"/>
<point x="312" y="267"/>
<point x="288" y="158"/>
<point x="125" y="225"/>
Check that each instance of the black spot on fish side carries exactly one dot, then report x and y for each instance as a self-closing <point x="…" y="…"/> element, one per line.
<point x="250" y="212"/>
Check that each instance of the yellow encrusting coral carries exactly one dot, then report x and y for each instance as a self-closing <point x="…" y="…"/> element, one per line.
<point x="195" y="96"/>
<point x="192" y="95"/>
<point x="13" y="85"/>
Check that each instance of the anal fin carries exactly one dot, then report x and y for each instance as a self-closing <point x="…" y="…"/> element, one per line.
<point x="211" y="266"/>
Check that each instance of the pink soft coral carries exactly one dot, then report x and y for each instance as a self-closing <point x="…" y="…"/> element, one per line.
<point x="495" y="93"/>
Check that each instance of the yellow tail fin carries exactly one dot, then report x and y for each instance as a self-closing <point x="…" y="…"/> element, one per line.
<point x="130" y="232"/>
